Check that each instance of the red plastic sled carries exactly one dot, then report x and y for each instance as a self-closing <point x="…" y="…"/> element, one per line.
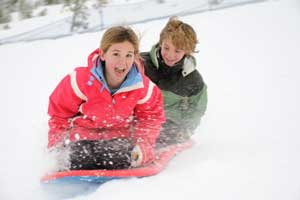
<point x="163" y="156"/>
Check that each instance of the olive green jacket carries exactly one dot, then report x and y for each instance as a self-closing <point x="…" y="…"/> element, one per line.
<point x="184" y="91"/>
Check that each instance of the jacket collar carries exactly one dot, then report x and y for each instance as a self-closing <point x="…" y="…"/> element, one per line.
<point x="133" y="80"/>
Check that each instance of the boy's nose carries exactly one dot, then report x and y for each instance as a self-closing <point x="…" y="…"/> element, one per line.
<point x="171" y="56"/>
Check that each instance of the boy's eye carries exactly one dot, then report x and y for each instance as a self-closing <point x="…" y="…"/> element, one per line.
<point x="166" y="48"/>
<point x="115" y="54"/>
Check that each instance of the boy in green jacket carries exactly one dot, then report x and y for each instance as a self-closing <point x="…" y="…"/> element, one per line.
<point x="171" y="66"/>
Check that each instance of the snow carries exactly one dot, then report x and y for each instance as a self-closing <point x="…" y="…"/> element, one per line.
<point x="248" y="144"/>
<point x="57" y="22"/>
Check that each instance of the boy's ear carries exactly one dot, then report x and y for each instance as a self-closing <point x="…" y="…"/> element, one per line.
<point x="101" y="54"/>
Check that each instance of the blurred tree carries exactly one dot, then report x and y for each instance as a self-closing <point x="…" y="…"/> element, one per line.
<point x="80" y="15"/>
<point x="42" y="12"/>
<point x="99" y="6"/>
<point x="50" y="2"/>
<point x="25" y="9"/>
<point x="100" y="3"/>
<point x="214" y="2"/>
<point x="12" y="5"/>
<point x="160" y="1"/>
<point x="4" y="12"/>
<point x="103" y="2"/>
<point x="6" y="26"/>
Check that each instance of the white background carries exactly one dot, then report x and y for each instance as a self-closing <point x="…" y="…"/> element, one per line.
<point x="248" y="144"/>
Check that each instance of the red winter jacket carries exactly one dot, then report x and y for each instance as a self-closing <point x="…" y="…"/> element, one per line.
<point x="81" y="107"/>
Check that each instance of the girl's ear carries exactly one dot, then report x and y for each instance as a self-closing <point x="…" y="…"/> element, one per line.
<point x="101" y="55"/>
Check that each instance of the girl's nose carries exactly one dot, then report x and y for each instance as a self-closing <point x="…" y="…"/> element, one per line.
<point x="122" y="61"/>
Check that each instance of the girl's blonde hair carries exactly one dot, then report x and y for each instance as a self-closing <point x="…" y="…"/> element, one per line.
<point x="181" y="35"/>
<point x="119" y="34"/>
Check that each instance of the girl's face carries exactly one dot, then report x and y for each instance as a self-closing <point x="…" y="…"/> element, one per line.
<point x="170" y="54"/>
<point x="118" y="61"/>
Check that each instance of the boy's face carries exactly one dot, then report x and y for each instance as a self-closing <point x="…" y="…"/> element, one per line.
<point x="170" y="54"/>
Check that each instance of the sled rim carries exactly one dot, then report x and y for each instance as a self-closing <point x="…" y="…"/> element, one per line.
<point x="165" y="155"/>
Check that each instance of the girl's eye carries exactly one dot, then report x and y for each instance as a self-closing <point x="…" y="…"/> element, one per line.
<point x="129" y="55"/>
<point x="166" y="48"/>
<point x="115" y="54"/>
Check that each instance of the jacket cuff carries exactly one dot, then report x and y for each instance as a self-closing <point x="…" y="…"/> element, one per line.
<point x="136" y="156"/>
<point x="56" y="138"/>
<point x="142" y="154"/>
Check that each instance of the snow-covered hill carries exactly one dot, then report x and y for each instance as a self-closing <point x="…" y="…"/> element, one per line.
<point x="247" y="145"/>
<point x="57" y="22"/>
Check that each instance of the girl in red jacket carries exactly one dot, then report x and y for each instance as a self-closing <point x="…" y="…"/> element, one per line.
<point x="108" y="114"/>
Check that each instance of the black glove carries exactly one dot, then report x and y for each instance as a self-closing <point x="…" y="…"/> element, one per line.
<point x="100" y="154"/>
